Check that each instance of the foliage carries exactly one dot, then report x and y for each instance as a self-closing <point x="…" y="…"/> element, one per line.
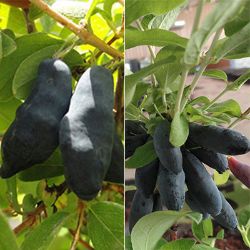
<point x="165" y="95"/>
<point x="48" y="214"/>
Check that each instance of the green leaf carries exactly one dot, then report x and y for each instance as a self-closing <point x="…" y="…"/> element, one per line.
<point x="152" y="123"/>
<point x="194" y="114"/>
<point x="182" y="244"/>
<point x="62" y="242"/>
<point x="9" y="33"/>
<point x="241" y="19"/>
<point x="203" y="230"/>
<point x="151" y="69"/>
<point x="216" y="73"/>
<point x="197" y="230"/>
<point x="203" y="247"/>
<point x="90" y="9"/>
<point x="210" y="241"/>
<point x="1" y="46"/>
<point x="7" y="237"/>
<point x="16" y="21"/>
<point x="137" y="8"/>
<point x="221" y="179"/>
<point x="107" y="6"/>
<point x="141" y="89"/>
<point x="29" y="203"/>
<point x="72" y="9"/>
<point x="42" y="236"/>
<point x="234" y="26"/>
<point x="106" y="17"/>
<point x="199" y="100"/>
<point x="12" y="192"/>
<point x="7" y="45"/>
<point x="49" y="25"/>
<point x="130" y="88"/>
<point x="4" y="202"/>
<point x="132" y="112"/>
<point x="26" y="45"/>
<point x="27" y="71"/>
<point x="220" y="235"/>
<point x="146" y="20"/>
<point x="165" y="21"/>
<point x="238" y="83"/>
<point x="167" y="74"/>
<point x="150" y="228"/>
<point x="34" y="12"/>
<point x="105" y="225"/>
<point x="27" y="187"/>
<point x="179" y="130"/>
<point x="207" y="227"/>
<point x="240" y="195"/>
<point x="244" y="216"/>
<point x="173" y="86"/>
<point x="154" y="37"/>
<point x="160" y="243"/>
<point x="8" y="112"/>
<point x="230" y="107"/>
<point x="239" y="53"/>
<point x="195" y="216"/>
<point x="128" y="243"/>
<point x="142" y="156"/>
<point x="230" y="44"/>
<point x="52" y="167"/>
<point x="221" y="14"/>
<point x="151" y="100"/>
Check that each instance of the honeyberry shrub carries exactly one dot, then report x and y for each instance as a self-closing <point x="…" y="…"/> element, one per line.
<point x="163" y="123"/>
<point x="38" y="210"/>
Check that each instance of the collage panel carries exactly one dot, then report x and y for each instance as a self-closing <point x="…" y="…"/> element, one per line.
<point x="187" y="124"/>
<point x="61" y="125"/>
<point x="124" y="125"/>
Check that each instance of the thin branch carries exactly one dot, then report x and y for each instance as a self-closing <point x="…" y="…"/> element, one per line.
<point x="116" y="65"/>
<point x="152" y="55"/>
<point x="84" y="243"/>
<point x="181" y="91"/>
<point x="25" y="224"/>
<point x="29" y="23"/>
<point x="30" y="220"/>
<point x="12" y="193"/>
<point x="215" y="99"/>
<point x="117" y="35"/>
<point x="119" y="101"/>
<point x="164" y="101"/>
<point x="59" y="190"/>
<point x="79" y="225"/>
<point x="247" y="112"/>
<point x="77" y="29"/>
<point x="67" y="46"/>
<point x="158" y="112"/>
<point x="198" y="15"/>
<point x="113" y="39"/>
<point x="150" y="49"/>
<point x="240" y="119"/>
<point x="236" y="122"/>
<point x="244" y="233"/>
